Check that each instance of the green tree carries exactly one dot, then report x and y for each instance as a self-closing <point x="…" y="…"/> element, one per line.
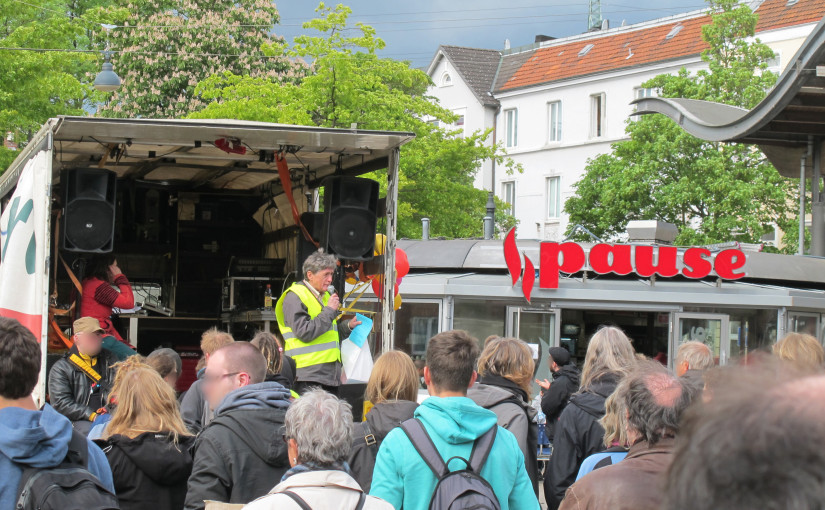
<point x="713" y="192"/>
<point x="349" y="84"/>
<point x="37" y="85"/>
<point x="165" y="48"/>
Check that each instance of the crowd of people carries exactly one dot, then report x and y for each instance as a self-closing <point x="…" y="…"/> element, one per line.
<point x="627" y="432"/>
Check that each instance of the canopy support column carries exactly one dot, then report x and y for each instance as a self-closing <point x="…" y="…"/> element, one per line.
<point x="817" y="205"/>
<point x="388" y="301"/>
<point x="802" y="162"/>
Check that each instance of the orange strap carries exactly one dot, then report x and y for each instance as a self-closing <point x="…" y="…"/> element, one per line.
<point x="286" y="183"/>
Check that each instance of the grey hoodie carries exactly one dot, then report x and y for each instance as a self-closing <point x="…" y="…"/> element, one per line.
<point x="515" y="415"/>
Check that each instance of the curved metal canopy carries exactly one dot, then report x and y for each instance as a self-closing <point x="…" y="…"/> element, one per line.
<point x="781" y="125"/>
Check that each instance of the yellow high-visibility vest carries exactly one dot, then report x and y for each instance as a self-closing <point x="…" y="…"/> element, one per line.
<point x="325" y="348"/>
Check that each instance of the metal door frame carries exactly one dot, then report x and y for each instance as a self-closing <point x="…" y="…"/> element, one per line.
<point x="724" y="341"/>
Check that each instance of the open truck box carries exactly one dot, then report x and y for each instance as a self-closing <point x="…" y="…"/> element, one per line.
<point x="185" y="208"/>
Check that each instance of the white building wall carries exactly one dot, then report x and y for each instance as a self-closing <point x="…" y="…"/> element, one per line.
<point x="568" y="157"/>
<point x="459" y="98"/>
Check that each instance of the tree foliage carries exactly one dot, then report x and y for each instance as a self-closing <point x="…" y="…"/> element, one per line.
<point x="164" y="49"/>
<point x="347" y="84"/>
<point x="37" y="85"/>
<point x="714" y="192"/>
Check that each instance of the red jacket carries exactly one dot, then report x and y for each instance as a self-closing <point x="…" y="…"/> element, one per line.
<point x="99" y="298"/>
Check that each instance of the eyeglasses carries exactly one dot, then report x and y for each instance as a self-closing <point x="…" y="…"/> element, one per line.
<point x="209" y="379"/>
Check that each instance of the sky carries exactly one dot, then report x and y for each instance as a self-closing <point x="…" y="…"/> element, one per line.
<point x="414" y="30"/>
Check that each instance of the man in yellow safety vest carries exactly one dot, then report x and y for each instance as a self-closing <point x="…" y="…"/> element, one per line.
<point x="306" y="315"/>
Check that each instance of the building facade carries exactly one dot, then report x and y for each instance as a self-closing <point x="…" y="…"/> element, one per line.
<point x="557" y="103"/>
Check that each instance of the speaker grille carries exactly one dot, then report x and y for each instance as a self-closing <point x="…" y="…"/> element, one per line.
<point x="89" y="217"/>
<point x="352" y="233"/>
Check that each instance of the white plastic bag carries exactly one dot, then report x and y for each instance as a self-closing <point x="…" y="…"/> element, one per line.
<point x="357" y="361"/>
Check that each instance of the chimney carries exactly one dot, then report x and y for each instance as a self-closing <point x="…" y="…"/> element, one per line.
<point x="651" y="232"/>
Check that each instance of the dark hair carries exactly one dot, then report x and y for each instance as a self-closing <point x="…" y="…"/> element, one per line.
<point x="98" y="266"/>
<point x="244" y="357"/>
<point x="754" y="444"/>
<point x="655" y="401"/>
<point x="165" y="361"/>
<point x="451" y="358"/>
<point x="271" y="349"/>
<point x="19" y="360"/>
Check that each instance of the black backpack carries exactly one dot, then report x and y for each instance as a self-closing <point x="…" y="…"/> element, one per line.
<point x="67" y="486"/>
<point x="462" y="489"/>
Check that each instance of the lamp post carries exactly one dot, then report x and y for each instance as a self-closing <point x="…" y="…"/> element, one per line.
<point x="107" y="80"/>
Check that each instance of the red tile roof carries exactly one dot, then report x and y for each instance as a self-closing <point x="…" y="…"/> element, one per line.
<point x="632" y="47"/>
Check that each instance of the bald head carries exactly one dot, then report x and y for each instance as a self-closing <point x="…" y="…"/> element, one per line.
<point x="655" y="400"/>
<point x="242" y="357"/>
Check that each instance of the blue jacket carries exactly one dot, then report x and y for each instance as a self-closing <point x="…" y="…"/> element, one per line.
<point x="39" y="439"/>
<point x="403" y="479"/>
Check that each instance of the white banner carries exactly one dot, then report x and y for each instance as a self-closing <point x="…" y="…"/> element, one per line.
<point x="24" y="245"/>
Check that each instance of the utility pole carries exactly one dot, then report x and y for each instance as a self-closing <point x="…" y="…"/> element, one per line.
<point x="594" y="15"/>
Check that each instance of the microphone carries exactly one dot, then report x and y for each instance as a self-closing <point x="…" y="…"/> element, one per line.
<point x="331" y="290"/>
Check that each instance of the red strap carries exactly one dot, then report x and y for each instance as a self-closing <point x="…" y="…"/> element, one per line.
<point x="286" y="183"/>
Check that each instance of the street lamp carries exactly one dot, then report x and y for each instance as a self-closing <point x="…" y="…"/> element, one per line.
<point x="107" y="80"/>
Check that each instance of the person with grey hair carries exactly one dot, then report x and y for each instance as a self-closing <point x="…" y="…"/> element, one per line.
<point x="318" y="434"/>
<point x="655" y="400"/>
<point x="307" y="317"/>
<point x="167" y="363"/>
<point x="692" y="360"/>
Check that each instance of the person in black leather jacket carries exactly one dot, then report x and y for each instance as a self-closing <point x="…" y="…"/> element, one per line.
<point x="79" y="382"/>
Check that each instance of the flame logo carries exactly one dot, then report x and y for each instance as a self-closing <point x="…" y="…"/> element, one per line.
<point x="513" y="260"/>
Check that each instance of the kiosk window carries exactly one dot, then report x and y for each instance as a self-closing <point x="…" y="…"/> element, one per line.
<point x="480" y="318"/>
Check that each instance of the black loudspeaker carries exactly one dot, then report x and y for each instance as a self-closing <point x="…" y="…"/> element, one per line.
<point x="89" y="215"/>
<point x="314" y="223"/>
<point x="350" y="205"/>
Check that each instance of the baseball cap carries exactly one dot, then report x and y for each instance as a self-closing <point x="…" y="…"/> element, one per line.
<point x="560" y="355"/>
<point x="87" y="325"/>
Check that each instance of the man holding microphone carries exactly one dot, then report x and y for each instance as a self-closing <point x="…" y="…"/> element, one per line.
<point x="306" y="315"/>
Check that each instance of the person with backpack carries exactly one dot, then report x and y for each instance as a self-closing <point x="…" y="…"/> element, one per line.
<point x="146" y="443"/>
<point x="453" y="452"/>
<point x="318" y="432"/>
<point x="505" y="369"/>
<point x="40" y="453"/>
<point x="393" y="391"/>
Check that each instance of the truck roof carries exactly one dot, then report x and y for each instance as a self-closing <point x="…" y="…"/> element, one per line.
<point x="186" y="150"/>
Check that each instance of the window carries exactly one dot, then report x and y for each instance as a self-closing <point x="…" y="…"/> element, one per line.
<point x="511" y="128"/>
<point x="459" y="123"/>
<point x="508" y="194"/>
<point x="554" y="119"/>
<point x="553" y="197"/>
<point x="597" y="115"/>
<point x="775" y="63"/>
<point x="640" y="92"/>
<point x="446" y="80"/>
<point x="434" y="122"/>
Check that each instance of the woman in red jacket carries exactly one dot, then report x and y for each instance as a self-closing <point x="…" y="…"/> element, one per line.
<point x="100" y="296"/>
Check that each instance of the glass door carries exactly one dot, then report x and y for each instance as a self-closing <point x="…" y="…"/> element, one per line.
<point x="804" y="322"/>
<point x="710" y="329"/>
<point x="540" y="329"/>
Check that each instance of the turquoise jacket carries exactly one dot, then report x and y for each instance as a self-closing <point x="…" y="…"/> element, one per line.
<point x="403" y="479"/>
